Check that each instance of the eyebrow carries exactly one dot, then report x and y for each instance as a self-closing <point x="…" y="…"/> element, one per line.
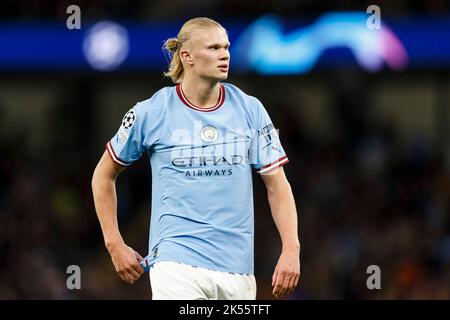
<point x="218" y="44"/>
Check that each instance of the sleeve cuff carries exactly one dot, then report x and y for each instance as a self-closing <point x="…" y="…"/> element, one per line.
<point x="272" y="166"/>
<point x="114" y="157"/>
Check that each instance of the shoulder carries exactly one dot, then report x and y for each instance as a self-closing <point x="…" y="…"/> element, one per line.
<point x="155" y="105"/>
<point x="251" y="103"/>
<point x="156" y="102"/>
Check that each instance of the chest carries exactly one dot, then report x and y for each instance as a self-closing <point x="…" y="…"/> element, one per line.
<point x="192" y="138"/>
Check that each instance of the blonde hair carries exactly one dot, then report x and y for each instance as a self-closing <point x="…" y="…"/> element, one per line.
<point x="173" y="45"/>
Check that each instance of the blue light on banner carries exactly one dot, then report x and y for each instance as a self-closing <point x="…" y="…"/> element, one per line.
<point x="268" y="45"/>
<point x="106" y="45"/>
<point x="264" y="48"/>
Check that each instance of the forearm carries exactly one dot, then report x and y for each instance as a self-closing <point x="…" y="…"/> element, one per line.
<point x="105" y="199"/>
<point x="284" y="213"/>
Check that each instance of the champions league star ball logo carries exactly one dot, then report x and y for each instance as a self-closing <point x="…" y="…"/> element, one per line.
<point x="128" y="119"/>
<point x="209" y="134"/>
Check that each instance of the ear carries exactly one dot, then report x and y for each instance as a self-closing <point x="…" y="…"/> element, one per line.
<point x="186" y="56"/>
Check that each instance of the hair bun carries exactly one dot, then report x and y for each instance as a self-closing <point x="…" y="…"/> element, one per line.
<point x="172" y="44"/>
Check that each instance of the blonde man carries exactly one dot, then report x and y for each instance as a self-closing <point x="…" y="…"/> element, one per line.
<point x="203" y="138"/>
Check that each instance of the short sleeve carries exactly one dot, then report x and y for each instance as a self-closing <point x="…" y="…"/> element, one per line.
<point x="139" y="131"/>
<point x="266" y="152"/>
<point x="127" y="145"/>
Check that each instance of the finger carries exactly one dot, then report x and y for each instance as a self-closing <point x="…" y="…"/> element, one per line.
<point x="274" y="277"/>
<point x="124" y="277"/>
<point x="275" y="281"/>
<point x="285" y="286"/>
<point x="297" y="278"/>
<point x="138" y="268"/>
<point x="138" y="256"/>
<point x="278" y="284"/>
<point x="121" y="276"/>
<point x="295" y="282"/>
<point x="133" y="274"/>
<point x="291" y="285"/>
<point x="129" y="278"/>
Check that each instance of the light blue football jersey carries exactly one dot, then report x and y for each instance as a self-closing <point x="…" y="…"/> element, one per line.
<point x="201" y="161"/>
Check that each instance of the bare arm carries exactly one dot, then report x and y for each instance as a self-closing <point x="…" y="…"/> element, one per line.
<point x="284" y="213"/>
<point x="125" y="259"/>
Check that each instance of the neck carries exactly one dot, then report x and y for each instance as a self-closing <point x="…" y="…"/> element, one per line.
<point x="201" y="93"/>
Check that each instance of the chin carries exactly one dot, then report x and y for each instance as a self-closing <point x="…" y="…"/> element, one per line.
<point x="217" y="77"/>
<point x="223" y="77"/>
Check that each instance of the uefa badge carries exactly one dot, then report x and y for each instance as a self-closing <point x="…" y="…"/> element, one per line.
<point x="128" y="119"/>
<point x="209" y="134"/>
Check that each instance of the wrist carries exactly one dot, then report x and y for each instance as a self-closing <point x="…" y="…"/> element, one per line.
<point x="113" y="243"/>
<point x="291" y="247"/>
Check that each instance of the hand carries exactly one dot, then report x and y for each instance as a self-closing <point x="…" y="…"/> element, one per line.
<point x="286" y="274"/>
<point x="126" y="262"/>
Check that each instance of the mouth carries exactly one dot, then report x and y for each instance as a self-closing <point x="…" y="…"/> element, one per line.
<point x="223" y="67"/>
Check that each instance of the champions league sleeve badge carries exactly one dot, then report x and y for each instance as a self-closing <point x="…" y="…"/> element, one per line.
<point x="128" y="119"/>
<point x="127" y="123"/>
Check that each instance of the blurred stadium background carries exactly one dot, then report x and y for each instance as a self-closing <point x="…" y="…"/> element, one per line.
<point x="363" y="114"/>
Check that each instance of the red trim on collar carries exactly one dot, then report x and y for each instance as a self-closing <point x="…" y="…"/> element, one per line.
<point x="193" y="106"/>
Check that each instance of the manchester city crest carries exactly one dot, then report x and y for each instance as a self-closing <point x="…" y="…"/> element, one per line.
<point x="209" y="134"/>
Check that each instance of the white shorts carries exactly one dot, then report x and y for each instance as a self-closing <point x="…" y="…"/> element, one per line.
<point x="176" y="281"/>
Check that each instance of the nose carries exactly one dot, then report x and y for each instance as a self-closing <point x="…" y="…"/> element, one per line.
<point x="224" y="56"/>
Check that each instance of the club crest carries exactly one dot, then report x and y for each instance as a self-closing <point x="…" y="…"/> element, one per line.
<point x="209" y="134"/>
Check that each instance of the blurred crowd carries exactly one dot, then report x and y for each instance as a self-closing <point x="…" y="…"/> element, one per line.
<point x="177" y="9"/>
<point x="366" y="200"/>
<point x="363" y="198"/>
<point x="364" y="195"/>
